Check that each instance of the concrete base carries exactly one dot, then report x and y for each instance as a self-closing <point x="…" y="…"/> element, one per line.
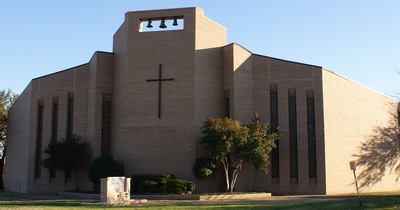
<point x="249" y="196"/>
<point x="245" y="196"/>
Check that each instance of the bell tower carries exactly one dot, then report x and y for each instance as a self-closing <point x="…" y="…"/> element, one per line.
<point x="167" y="81"/>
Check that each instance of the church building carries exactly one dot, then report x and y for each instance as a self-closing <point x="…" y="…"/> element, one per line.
<point x="144" y="103"/>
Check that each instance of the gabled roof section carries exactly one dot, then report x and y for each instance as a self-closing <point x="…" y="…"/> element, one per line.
<point x="304" y="64"/>
<point x="58" y="72"/>
<point x="359" y="84"/>
<point x="233" y="43"/>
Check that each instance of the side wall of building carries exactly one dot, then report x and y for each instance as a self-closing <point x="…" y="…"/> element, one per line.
<point x="351" y="115"/>
<point x="68" y="90"/>
<point x="20" y="130"/>
<point x="248" y="82"/>
<point x="69" y="101"/>
<point x="296" y="85"/>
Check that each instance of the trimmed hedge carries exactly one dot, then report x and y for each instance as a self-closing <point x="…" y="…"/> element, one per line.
<point x="180" y="186"/>
<point x="149" y="186"/>
<point x="190" y="187"/>
<point x="161" y="183"/>
<point x="160" y="179"/>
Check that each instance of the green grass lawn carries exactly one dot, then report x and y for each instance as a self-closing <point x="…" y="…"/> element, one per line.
<point x="387" y="200"/>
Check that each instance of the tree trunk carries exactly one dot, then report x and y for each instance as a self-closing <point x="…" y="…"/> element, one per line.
<point x="226" y="169"/>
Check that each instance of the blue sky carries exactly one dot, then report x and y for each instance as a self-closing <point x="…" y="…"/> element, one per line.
<point x="359" y="39"/>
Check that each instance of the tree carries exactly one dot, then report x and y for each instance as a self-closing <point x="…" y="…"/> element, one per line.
<point x="7" y="99"/>
<point x="229" y="143"/>
<point x="261" y="143"/>
<point x="69" y="154"/>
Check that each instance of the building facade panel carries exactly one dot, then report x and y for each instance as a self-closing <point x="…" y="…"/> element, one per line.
<point x="145" y="103"/>
<point x="352" y="113"/>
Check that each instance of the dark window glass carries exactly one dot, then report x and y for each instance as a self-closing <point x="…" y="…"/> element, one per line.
<point x="274" y="127"/>
<point x="106" y="128"/>
<point x="293" y="134"/>
<point x="54" y="129"/>
<point x="70" y="116"/>
<point x="39" y="136"/>
<point x="312" y="150"/>
<point x="228" y="107"/>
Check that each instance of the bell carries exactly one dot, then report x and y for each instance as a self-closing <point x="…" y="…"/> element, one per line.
<point x="175" y="22"/>
<point x="162" y="25"/>
<point x="149" y="24"/>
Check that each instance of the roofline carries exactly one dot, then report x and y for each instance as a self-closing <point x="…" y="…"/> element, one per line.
<point x="47" y="75"/>
<point x="58" y="72"/>
<point x="294" y="62"/>
<point x="163" y="9"/>
<point x="264" y="56"/>
<point x="359" y="84"/>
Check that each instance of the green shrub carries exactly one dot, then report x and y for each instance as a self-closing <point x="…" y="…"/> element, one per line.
<point x="164" y="178"/>
<point x="149" y="187"/>
<point x="180" y="186"/>
<point x="161" y="180"/>
<point x="190" y="187"/>
<point x="104" y="166"/>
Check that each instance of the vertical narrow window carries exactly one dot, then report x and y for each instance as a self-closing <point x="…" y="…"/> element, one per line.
<point x="106" y="125"/>
<point x="228" y="107"/>
<point x="54" y="120"/>
<point x="54" y="129"/>
<point x="70" y="126"/>
<point x="293" y="136"/>
<point x="70" y="114"/>
<point x="312" y="149"/>
<point x="39" y="137"/>
<point x="274" y="127"/>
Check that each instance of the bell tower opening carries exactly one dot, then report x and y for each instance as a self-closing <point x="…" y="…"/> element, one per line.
<point x="169" y="23"/>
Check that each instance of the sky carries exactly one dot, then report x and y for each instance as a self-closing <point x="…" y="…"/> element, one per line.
<point x="358" y="39"/>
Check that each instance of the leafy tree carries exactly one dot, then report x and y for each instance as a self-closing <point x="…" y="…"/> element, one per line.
<point x="69" y="154"/>
<point x="261" y="143"/>
<point x="229" y="143"/>
<point x="205" y="167"/>
<point x="7" y="99"/>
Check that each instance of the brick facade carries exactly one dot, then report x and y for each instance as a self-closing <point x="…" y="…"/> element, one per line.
<point x="158" y="132"/>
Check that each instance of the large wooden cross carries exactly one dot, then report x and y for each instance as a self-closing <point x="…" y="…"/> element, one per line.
<point x="159" y="80"/>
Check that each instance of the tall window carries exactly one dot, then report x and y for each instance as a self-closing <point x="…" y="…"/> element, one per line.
<point x="39" y="136"/>
<point x="312" y="149"/>
<point x="228" y="107"/>
<point x="105" y="126"/>
<point x="70" y="114"/>
<point x="54" y="129"/>
<point x="54" y="120"/>
<point x="70" y="126"/>
<point x="293" y="136"/>
<point x="274" y="127"/>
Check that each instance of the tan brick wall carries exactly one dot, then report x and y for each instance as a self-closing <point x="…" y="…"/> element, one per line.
<point x="287" y="75"/>
<point x="138" y="130"/>
<point x="206" y="72"/>
<point x="351" y="112"/>
<point x="19" y="130"/>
